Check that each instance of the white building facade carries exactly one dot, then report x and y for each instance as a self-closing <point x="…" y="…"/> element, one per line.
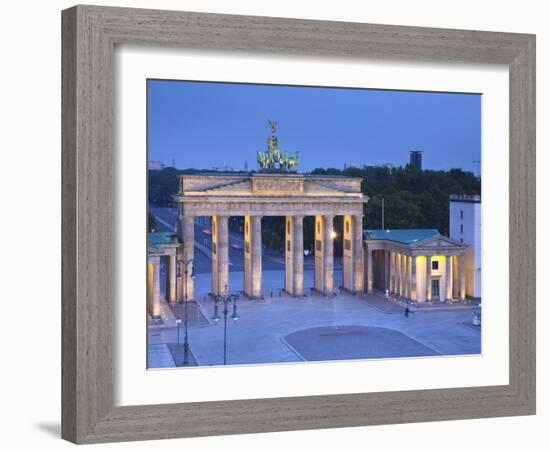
<point x="465" y="227"/>
<point x="418" y="264"/>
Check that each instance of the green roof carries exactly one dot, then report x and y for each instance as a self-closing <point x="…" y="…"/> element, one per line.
<point x="159" y="238"/>
<point x="410" y="236"/>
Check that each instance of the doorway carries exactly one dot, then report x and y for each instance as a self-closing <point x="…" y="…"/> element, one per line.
<point x="435" y="290"/>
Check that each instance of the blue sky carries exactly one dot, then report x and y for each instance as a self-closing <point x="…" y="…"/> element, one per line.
<point x="202" y="125"/>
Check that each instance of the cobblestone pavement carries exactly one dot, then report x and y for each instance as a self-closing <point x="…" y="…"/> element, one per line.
<point x="259" y="334"/>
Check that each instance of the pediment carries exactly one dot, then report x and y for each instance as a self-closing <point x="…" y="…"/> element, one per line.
<point x="439" y="241"/>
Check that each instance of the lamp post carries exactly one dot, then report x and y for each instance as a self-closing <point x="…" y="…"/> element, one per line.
<point x="185" y="263"/>
<point x="178" y="321"/>
<point x="227" y="299"/>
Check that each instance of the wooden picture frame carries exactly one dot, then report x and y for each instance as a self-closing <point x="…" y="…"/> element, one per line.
<point x="90" y="34"/>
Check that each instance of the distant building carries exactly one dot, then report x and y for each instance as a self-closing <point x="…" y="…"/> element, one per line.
<point x="389" y="166"/>
<point x="224" y="168"/>
<point x="465" y="226"/>
<point x="351" y="166"/>
<point x="416" y="159"/>
<point x="155" y="165"/>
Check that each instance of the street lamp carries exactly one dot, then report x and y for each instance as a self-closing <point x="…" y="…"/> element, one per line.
<point x="178" y="321"/>
<point x="227" y="299"/>
<point x="185" y="263"/>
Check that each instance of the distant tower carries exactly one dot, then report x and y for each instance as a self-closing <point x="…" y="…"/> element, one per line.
<point x="246" y="166"/>
<point x="416" y="159"/>
<point x="477" y="165"/>
<point x="173" y="162"/>
<point x="465" y="227"/>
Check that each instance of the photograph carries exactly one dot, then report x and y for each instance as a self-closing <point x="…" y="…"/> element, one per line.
<point x="300" y="224"/>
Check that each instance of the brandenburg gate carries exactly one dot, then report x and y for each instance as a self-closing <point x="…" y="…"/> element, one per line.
<point x="290" y="195"/>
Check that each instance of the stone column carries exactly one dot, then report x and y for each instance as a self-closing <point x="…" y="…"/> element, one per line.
<point x="448" y="278"/>
<point x="220" y="254"/>
<point x="462" y="278"/>
<point x="171" y="276"/>
<point x="403" y="275"/>
<point x="429" y="278"/>
<point x="328" y="254"/>
<point x="289" y="255"/>
<point x="179" y="279"/>
<point x="347" y="254"/>
<point x="413" y="278"/>
<point x="253" y="256"/>
<point x="188" y="235"/>
<point x="298" y="255"/>
<point x="358" y="256"/>
<point x="370" y="272"/>
<point x="456" y="284"/>
<point x="319" y="254"/>
<point x="408" y="261"/>
<point x="386" y="270"/>
<point x="392" y="272"/>
<point x="154" y="283"/>
<point x="397" y="273"/>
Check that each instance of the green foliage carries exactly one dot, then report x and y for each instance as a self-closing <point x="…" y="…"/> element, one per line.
<point x="273" y="232"/>
<point x="412" y="198"/>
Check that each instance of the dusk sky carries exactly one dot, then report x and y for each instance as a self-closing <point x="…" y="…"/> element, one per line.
<point x="205" y="125"/>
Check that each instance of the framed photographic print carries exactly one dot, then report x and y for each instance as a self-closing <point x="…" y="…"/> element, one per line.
<point x="302" y="224"/>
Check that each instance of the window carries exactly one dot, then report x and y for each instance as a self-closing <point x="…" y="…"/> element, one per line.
<point x="287" y="246"/>
<point x="288" y="227"/>
<point x="246" y="228"/>
<point x="461" y="228"/>
<point x="435" y="265"/>
<point x="461" y="214"/>
<point x="318" y="227"/>
<point x="347" y="227"/>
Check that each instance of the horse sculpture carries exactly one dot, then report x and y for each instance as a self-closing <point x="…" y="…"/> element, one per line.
<point x="273" y="159"/>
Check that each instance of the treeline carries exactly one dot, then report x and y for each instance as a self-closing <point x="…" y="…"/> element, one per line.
<point x="164" y="183"/>
<point x="412" y="198"/>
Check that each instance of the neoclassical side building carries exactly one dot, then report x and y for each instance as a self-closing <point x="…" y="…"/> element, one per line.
<point x="418" y="264"/>
<point x="161" y="246"/>
<point x="291" y="195"/>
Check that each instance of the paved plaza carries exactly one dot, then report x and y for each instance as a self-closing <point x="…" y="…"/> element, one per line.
<point x="284" y="329"/>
